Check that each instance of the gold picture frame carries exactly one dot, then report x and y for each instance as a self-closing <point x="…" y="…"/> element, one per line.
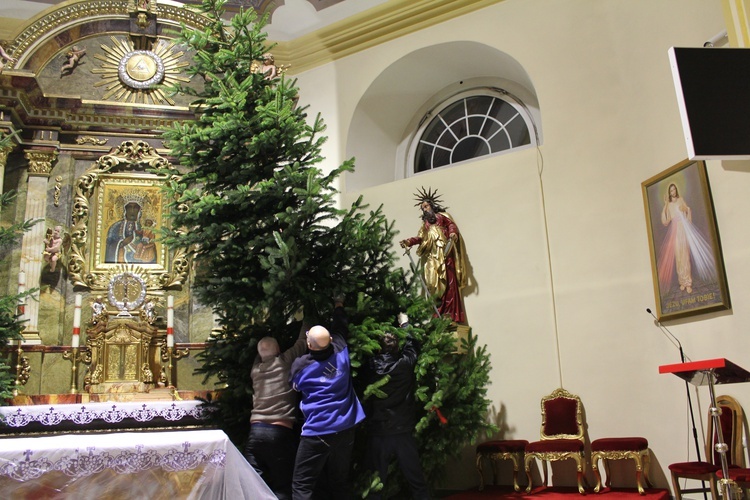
<point x="118" y="211"/>
<point x="686" y="259"/>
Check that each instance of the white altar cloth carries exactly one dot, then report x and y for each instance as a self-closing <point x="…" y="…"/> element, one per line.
<point x="109" y="415"/>
<point x="199" y="464"/>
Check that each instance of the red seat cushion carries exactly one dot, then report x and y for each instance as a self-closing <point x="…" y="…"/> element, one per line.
<point x="694" y="468"/>
<point x="502" y="446"/>
<point x="553" y="445"/>
<point x="737" y="474"/>
<point x="619" y="444"/>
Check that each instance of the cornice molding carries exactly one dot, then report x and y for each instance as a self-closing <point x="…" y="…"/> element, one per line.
<point x="373" y="27"/>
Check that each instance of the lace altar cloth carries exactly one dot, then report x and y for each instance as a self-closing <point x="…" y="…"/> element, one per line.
<point x="200" y="464"/>
<point x="100" y="416"/>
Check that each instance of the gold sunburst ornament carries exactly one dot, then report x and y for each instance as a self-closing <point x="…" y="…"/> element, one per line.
<point x="131" y="75"/>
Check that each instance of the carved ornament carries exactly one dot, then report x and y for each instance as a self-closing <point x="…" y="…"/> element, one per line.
<point x="87" y="139"/>
<point x="40" y="162"/>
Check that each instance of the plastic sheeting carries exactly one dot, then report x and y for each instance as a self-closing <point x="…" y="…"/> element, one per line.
<point x="196" y="464"/>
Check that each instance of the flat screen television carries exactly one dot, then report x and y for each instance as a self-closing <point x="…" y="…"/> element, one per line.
<point x="713" y="93"/>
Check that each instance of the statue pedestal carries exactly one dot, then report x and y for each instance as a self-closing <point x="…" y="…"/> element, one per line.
<point x="460" y="332"/>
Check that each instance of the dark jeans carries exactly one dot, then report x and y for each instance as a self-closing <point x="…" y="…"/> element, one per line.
<point x="271" y="450"/>
<point x="327" y="457"/>
<point x="404" y="447"/>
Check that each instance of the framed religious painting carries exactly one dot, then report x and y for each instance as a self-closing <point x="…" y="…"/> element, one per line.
<point x="119" y="211"/>
<point x="686" y="260"/>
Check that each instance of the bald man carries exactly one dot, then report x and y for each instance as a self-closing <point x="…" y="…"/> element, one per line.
<point x="331" y="410"/>
<point x="272" y="444"/>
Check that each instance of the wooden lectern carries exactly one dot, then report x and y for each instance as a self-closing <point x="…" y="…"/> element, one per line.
<point x="711" y="372"/>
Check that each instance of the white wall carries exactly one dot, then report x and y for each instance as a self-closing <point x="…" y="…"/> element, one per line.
<point x="610" y="120"/>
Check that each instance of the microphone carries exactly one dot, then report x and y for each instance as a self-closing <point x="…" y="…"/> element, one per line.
<point x="669" y="334"/>
<point x="666" y="331"/>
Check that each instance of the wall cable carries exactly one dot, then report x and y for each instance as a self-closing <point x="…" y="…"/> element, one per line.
<point x="540" y="171"/>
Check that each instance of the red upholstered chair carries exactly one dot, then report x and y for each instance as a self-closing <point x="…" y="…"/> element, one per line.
<point x="741" y="478"/>
<point x="618" y="448"/>
<point x="731" y="419"/>
<point x="561" y="435"/>
<point x="504" y="449"/>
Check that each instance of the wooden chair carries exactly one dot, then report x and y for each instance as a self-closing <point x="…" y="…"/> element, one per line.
<point x="504" y="449"/>
<point x="619" y="448"/>
<point x="731" y="419"/>
<point x="561" y="436"/>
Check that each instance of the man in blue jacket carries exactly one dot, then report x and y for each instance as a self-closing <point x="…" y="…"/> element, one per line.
<point x="330" y="407"/>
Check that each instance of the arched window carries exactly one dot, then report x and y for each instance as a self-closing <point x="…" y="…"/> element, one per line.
<point x="470" y="125"/>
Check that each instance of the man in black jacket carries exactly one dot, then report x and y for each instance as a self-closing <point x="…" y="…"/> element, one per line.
<point x="392" y="419"/>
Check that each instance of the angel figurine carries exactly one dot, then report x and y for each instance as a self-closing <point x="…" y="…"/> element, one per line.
<point x="74" y="56"/>
<point x="53" y="243"/>
<point x="98" y="310"/>
<point x="5" y="58"/>
<point x="148" y="310"/>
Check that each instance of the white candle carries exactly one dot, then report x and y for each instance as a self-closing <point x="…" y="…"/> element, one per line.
<point x="21" y="290"/>
<point x="170" y="321"/>
<point x="77" y="321"/>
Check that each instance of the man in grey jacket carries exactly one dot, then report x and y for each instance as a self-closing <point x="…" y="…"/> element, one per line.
<point x="272" y="444"/>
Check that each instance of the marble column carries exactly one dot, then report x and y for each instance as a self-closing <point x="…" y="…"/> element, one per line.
<point x="32" y="245"/>
<point x="4" y="152"/>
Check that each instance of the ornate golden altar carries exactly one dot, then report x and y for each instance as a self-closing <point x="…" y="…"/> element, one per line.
<point x="124" y="355"/>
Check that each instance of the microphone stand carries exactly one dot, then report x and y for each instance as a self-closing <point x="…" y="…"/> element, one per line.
<point x="690" y="401"/>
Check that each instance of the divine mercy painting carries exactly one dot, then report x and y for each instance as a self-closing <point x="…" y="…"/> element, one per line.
<point x="683" y="238"/>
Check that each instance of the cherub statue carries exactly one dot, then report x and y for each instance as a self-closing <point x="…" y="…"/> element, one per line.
<point x="5" y="58"/>
<point x="268" y="67"/>
<point x="74" y="56"/>
<point x="148" y="310"/>
<point x="98" y="310"/>
<point x="53" y="243"/>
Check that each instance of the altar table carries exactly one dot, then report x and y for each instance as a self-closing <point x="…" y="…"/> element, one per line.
<point x="193" y="464"/>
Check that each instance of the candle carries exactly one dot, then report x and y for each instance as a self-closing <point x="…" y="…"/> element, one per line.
<point x="77" y="321"/>
<point x="21" y="290"/>
<point x="170" y="321"/>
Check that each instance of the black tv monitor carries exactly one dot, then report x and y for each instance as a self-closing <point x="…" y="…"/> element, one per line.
<point x="713" y="93"/>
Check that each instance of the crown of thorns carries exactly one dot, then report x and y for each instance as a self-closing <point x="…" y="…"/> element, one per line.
<point x="427" y="195"/>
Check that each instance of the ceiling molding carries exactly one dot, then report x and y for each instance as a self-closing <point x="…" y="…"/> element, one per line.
<point x="373" y="27"/>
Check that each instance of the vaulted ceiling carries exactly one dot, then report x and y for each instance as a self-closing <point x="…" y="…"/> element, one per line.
<point x="288" y="19"/>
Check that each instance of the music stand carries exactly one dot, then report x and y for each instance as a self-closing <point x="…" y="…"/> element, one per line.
<point x="711" y="372"/>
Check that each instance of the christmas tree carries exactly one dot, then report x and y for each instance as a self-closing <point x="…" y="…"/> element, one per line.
<point x="11" y="323"/>
<point x="259" y="217"/>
